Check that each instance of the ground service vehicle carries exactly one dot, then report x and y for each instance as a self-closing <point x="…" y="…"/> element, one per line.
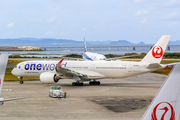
<point x="55" y="91"/>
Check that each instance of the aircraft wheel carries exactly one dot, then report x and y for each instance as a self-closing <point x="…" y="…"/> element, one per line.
<point x="98" y="83"/>
<point x="21" y="82"/>
<point x="73" y="84"/>
<point x="95" y="83"/>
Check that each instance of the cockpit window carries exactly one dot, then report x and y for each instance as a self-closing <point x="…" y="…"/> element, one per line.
<point x="15" y="66"/>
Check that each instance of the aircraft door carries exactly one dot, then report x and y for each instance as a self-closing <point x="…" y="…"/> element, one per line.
<point x="21" y="67"/>
<point x="93" y="67"/>
<point x="129" y="68"/>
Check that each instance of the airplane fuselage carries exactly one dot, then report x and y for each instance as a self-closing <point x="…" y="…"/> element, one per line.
<point x="98" y="69"/>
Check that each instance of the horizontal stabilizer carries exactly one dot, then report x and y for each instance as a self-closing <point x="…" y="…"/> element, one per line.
<point x="154" y="66"/>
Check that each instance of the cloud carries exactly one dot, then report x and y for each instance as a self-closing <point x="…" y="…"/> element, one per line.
<point x="99" y="26"/>
<point x="172" y="2"/>
<point x="10" y="25"/>
<point x="173" y="16"/>
<point x="144" y="20"/>
<point x="138" y="1"/>
<point x="174" y="23"/>
<point x="49" y="33"/>
<point x="141" y="12"/>
<point x="62" y="33"/>
<point x="84" y="29"/>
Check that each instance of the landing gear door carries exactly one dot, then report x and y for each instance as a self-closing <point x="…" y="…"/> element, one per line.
<point x="130" y="68"/>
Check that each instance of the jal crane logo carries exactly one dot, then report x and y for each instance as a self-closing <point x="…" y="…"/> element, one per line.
<point x="166" y="109"/>
<point x="157" y="51"/>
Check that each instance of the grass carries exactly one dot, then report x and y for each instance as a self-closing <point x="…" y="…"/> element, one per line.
<point x="162" y="71"/>
<point x="165" y="71"/>
<point x="14" y="62"/>
<point x="11" y="77"/>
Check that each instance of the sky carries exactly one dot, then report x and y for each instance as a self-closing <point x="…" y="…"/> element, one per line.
<point x="97" y="20"/>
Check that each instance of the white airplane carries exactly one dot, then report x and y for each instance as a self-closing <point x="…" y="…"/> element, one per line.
<point x="166" y="104"/>
<point x="92" y="56"/>
<point x="3" y="64"/>
<point x="96" y="56"/>
<point x="80" y="71"/>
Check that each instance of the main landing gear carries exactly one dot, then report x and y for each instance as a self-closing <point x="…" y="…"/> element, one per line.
<point x="94" y="82"/>
<point x="77" y="84"/>
<point x="21" y="81"/>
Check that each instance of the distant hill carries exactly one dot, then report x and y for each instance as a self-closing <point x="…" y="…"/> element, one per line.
<point x="38" y="41"/>
<point x="141" y="43"/>
<point x="67" y="42"/>
<point x="177" y="42"/>
<point x="121" y="42"/>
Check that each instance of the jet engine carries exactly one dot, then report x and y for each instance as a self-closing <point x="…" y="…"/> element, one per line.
<point x="48" y="77"/>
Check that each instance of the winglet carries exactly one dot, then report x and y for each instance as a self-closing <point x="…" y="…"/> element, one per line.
<point x="168" y="97"/>
<point x="162" y="58"/>
<point x="59" y="63"/>
<point x="3" y="64"/>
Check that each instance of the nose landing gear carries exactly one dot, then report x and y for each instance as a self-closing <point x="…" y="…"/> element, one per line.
<point x="21" y="81"/>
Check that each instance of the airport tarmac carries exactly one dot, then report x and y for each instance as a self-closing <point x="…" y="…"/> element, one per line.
<point x="122" y="99"/>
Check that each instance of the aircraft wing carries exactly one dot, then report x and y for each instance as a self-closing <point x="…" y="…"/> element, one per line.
<point x="67" y="71"/>
<point x="76" y="59"/>
<point x="81" y="74"/>
<point x="109" y="59"/>
<point x="3" y="100"/>
<point x="171" y="65"/>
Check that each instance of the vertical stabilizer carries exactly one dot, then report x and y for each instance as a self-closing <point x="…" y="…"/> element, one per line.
<point x="85" y="49"/>
<point x="156" y="53"/>
<point x="3" y="64"/>
<point x="166" y="104"/>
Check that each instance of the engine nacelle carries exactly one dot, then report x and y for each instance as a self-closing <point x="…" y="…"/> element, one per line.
<point x="48" y="77"/>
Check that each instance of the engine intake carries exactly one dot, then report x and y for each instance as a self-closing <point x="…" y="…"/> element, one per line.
<point x="48" y="77"/>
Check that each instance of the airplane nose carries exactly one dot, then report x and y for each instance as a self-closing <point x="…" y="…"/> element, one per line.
<point x="13" y="72"/>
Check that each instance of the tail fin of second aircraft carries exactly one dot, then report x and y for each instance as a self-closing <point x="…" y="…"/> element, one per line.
<point x="156" y="53"/>
<point x="3" y="64"/>
<point x="85" y="49"/>
<point x="166" y="104"/>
